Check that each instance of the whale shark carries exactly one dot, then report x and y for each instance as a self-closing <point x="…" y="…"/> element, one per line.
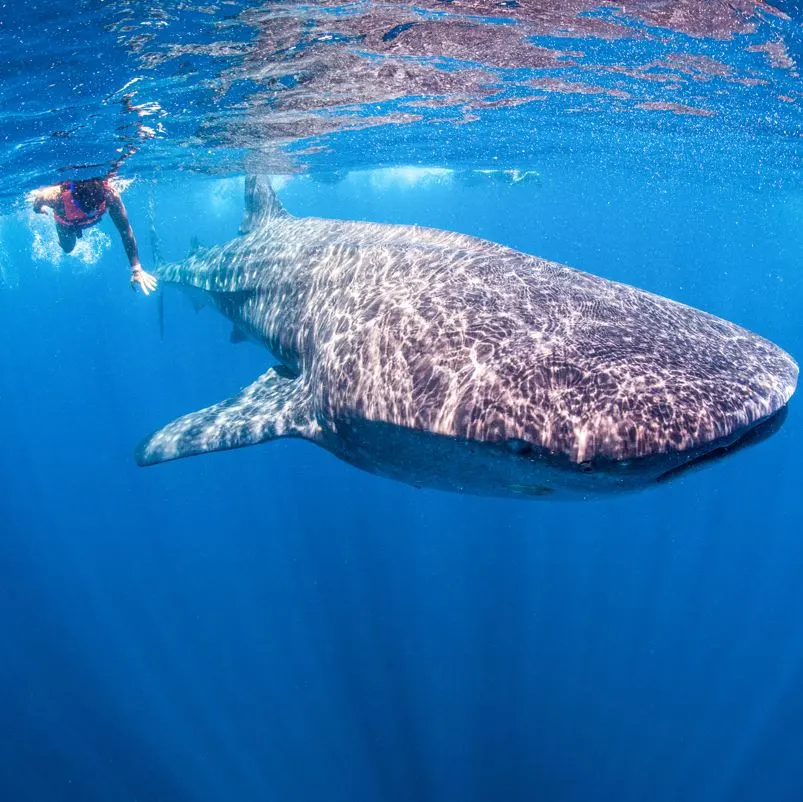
<point x="446" y="361"/>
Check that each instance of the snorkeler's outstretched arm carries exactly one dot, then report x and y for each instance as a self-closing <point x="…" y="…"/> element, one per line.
<point x="119" y="215"/>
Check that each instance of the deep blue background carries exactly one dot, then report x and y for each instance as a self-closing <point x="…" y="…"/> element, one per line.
<point x="273" y="624"/>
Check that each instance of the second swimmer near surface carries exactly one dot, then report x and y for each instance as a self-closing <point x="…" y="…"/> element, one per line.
<point x="78" y="205"/>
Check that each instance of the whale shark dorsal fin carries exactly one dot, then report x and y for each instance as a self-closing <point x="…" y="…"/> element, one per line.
<point x="276" y="405"/>
<point x="261" y="204"/>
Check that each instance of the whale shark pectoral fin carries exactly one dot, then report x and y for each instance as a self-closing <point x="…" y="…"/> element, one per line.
<point x="275" y="405"/>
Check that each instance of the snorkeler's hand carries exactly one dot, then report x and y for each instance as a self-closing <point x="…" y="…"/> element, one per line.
<point x="146" y="282"/>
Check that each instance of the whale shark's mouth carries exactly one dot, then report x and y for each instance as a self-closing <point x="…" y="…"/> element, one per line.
<point x="726" y="446"/>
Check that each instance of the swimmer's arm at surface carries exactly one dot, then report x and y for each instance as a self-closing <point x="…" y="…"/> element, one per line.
<point x="47" y="196"/>
<point x="119" y="216"/>
<point x="117" y="211"/>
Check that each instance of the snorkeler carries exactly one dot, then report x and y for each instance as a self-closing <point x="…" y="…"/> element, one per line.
<point x="77" y="205"/>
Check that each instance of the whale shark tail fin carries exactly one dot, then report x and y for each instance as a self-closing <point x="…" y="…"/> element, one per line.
<point x="277" y="404"/>
<point x="261" y="204"/>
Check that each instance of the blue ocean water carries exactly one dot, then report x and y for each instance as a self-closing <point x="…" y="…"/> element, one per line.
<point x="272" y="624"/>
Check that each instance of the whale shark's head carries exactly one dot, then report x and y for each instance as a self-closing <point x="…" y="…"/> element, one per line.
<point x="555" y="431"/>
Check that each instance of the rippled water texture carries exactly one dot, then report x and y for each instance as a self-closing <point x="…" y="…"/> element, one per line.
<point x="286" y="85"/>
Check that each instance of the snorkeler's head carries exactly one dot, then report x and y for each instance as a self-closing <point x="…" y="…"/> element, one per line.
<point x="89" y="193"/>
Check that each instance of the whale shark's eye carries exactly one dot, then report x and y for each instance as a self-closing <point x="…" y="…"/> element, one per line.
<point x="519" y="447"/>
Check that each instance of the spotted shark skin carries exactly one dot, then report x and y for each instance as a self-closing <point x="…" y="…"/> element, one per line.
<point x="443" y="360"/>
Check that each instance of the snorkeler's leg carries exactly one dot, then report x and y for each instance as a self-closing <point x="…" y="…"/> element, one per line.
<point x="66" y="237"/>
